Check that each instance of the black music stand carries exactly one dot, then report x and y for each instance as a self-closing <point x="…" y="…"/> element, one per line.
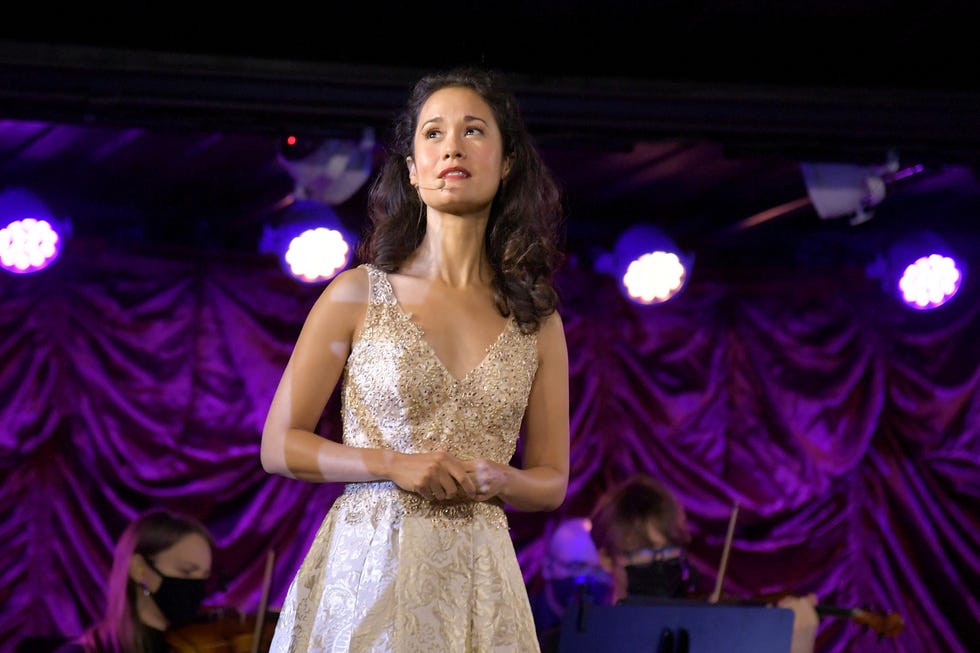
<point x="648" y="625"/>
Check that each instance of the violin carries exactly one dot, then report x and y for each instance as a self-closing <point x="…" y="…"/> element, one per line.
<point x="230" y="631"/>
<point x="223" y="631"/>
<point x="885" y="624"/>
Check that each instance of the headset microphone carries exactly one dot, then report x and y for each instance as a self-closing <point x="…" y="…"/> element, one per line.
<point x="440" y="184"/>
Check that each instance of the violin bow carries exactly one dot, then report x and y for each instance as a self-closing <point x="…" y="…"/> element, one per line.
<point x="719" y="581"/>
<point x="263" y="601"/>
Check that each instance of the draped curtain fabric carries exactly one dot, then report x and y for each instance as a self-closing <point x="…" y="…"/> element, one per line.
<point x="843" y="426"/>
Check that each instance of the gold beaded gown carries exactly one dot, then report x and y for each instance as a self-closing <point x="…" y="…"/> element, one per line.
<point x="388" y="570"/>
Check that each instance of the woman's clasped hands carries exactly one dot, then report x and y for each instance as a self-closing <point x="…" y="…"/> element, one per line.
<point x="441" y="476"/>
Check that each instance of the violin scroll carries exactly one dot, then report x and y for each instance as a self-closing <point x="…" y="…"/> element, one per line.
<point x="886" y="625"/>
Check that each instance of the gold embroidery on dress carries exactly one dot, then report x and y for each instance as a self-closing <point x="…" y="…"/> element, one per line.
<point x="388" y="571"/>
<point x="383" y="501"/>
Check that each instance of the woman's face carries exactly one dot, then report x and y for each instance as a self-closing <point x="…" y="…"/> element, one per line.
<point x="458" y="152"/>
<point x="636" y="549"/>
<point x="189" y="557"/>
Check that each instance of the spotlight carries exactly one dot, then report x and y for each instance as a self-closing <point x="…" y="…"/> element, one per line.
<point x="328" y="170"/>
<point x="310" y="241"/>
<point x="648" y="265"/>
<point x="31" y="239"/>
<point x="837" y="190"/>
<point x="921" y="270"/>
<point x="930" y="281"/>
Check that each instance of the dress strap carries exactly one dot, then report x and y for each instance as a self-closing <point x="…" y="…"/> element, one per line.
<point x="380" y="288"/>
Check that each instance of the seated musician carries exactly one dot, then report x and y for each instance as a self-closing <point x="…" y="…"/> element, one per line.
<point x="570" y="570"/>
<point x="160" y="568"/>
<point x="640" y="531"/>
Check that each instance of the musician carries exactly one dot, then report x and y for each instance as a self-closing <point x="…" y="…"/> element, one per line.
<point x="640" y="531"/>
<point x="570" y="571"/>
<point x="160" y="568"/>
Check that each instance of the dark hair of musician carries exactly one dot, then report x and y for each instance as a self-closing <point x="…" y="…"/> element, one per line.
<point x="120" y="630"/>
<point x="621" y="517"/>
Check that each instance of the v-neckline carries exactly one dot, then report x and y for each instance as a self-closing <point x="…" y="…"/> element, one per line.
<point x="407" y="316"/>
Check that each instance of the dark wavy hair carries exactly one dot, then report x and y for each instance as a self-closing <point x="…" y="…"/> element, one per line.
<point x="527" y="211"/>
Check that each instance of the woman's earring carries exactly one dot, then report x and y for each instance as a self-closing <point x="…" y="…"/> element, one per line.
<point x="145" y="588"/>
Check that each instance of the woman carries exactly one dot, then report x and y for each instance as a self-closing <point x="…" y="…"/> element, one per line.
<point x="641" y="532"/>
<point x="570" y="572"/>
<point x="446" y="341"/>
<point x="157" y="583"/>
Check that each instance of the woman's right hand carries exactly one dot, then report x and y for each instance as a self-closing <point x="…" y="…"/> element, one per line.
<point x="433" y="475"/>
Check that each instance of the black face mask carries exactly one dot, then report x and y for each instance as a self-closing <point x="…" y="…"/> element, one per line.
<point x="567" y="590"/>
<point x="661" y="578"/>
<point x="179" y="598"/>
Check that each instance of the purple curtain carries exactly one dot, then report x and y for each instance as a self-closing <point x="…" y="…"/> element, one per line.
<point x="845" y="428"/>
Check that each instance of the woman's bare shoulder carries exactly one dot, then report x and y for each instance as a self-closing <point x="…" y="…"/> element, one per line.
<point x="346" y="295"/>
<point x="552" y="326"/>
<point x="350" y="285"/>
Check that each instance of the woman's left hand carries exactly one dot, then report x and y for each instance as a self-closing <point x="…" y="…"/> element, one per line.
<point x="488" y="477"/>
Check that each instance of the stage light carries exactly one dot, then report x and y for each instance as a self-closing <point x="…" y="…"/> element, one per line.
<point x="838" y="190"/>
<point x="307" y="235"/>
<point x="921" y="270"/>
<point x="648" y="265"/>
<point x="310" y="241"/>
<point x="328" y="170"/>
<point x="930" y="281"/>
<point x="31" y="238"/>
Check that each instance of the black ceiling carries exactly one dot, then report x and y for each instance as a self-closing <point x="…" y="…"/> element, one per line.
<point x="148" y="125"/>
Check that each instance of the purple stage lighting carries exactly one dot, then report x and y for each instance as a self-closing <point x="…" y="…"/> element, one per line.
<point x="29" y="235"/>
<point x="930" y="281"/>
<point x="317" y="254"/>
<point x="648" y="265"/>
<point x="310" y="241"/>
<point x="921" y="269"/>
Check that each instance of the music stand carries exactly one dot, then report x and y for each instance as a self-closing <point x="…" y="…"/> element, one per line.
<point x="674" y="626"/>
